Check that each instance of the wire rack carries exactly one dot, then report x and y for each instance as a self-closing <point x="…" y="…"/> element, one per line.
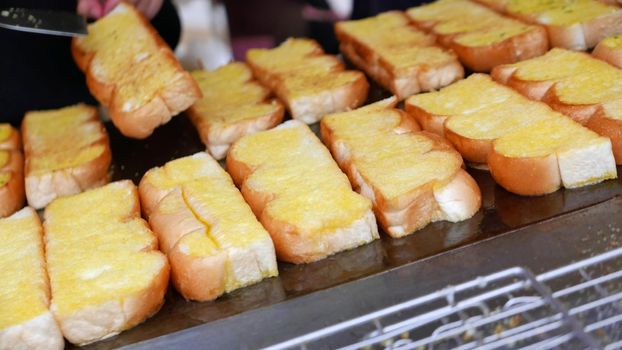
<point x="578" y="306"/>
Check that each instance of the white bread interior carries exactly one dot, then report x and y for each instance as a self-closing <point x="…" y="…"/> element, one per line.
<point x="132" y="71"/>
<point x="25" y="320"/>
<point x="309" y="82"/>
<point x="106" y="274"/>
<point x="299" y="193"/>
<point x="213" y="241"/>
<point x="416" y="179"/>
<point x="399" y="57"/>
<point x="233" y="105"/>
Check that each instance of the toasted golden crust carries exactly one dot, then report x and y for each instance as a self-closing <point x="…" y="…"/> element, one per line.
<point x="380" y="60"/>
<point x="429" y="122"/>
<point x="609" y="127"/>
<point x="42" y="186"/>
<point x="86" y="324"/>
<point x="13" y="141"/>
<point x="299" y="241"/>
<point x="525" y="176"/>
<point x="578" y="112"/>
<point x="472" y="150"/>
<point x="611" y="55"/>
<point x="139" y="121"/>
<point x="12" y="193"/>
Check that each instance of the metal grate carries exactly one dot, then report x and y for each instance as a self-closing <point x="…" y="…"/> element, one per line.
<point x="578" y="306"/>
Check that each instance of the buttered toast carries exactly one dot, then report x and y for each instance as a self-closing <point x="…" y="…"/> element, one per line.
<point x="574" y="25"/>
<point x="529" y="148"/>
<point x="132" y="71"/>
<point x="309" y="82"/>
<point x="25" y="319"/>
<point x="66" y="151"/>
<point x="574" y="83"/>
<point x="412" y="177"/>
<point x="105" y="271"/>
<point x="213" y="241"/>
<point x="610" y="50"/>
<point x="233" y="105"/>
<point x="299" y="193"/>
<point x="399" y="57"/>
<point x="11" y="171"/>
<point x="481" y="37"/>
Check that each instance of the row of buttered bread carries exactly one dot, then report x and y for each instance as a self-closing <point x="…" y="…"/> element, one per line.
<point x="105" y="274"/>
<point x="130" y="70"/>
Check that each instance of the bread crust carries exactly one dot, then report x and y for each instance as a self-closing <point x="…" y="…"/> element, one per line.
<point x="433" y="123"/>
<point x="13" y="142"/>
<point x="472" y="150"/>
<point x="403" y="83"/>
<point x="12" y="193"/>
<point x="412" y="211"/>
<point x="527" y="176"/>
<point x="170" y="100"/>
<point x="290" y="243"/>
<point x="608" y="54"/>
<point x="579" y="113"/>
<point x="608" y="127"/>
<point x="219" y="137"/>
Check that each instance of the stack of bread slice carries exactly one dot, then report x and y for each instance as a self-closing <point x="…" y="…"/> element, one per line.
<point x="25" y="319"/>
<point x="105" y="271"/>
<point x="213" y="241"/>
<point x="130" y="70"/>
<point x="610" y="50"/>
<point x="11" y="171"/>
<point x="412" y="177"/>
<point x="309" y="82"/>
<point x="481" y="37"/>
<point x="299" y="193"/>
<point x="575" y="25"/>
<point x="529" y="148"/>
<point x="574" y="83"/>
<point x="66" y="150"/>
<point x="399" y="57"/>
<point x="233" y="105"/>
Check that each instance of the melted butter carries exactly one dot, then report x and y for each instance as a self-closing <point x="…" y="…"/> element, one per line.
<point x="477" y="25"/>
<point x="465" y="96"/>
<point x="129" y="64"/>
<point x="23" y="293"/>
<point x="230" y="95"/>
<point x="5" y="131"/>
<point x="4" y="158"/>
<point x="556" y="64"/>
<point x="394" y="163"/>
<point x="108" y="245"/>
<point x="310" y="192"/>
<point x="612" y="41"/>
<point x="561" y="12"/>
<point x="5" y="177"/>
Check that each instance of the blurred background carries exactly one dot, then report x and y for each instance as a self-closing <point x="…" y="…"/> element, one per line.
<point x="215" y="32"/>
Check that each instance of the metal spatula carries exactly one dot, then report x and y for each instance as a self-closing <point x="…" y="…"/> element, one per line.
<point x="43" y="21"/>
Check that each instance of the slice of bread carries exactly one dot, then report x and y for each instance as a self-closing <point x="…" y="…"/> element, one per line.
<point x="132" y="71"/>
<point x="299" y="194"/>
<point x="574" y="25"/>
<point x="610" y="50"/>
<point x="25" y="319"/>
<point x="233" y="105"/>
<point x="529" y="148"/>
<point x="412" y="177"/>
<point x="213" y="241"/>
<point x="310" y="83"/>
<point x="482" y="38"/>
<point x="66" y="150"/>
<point x="576" y="84"/>
<point x="399" y="57"/>
<point x="105" y="270"/>
<point x="11" y="171"/>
